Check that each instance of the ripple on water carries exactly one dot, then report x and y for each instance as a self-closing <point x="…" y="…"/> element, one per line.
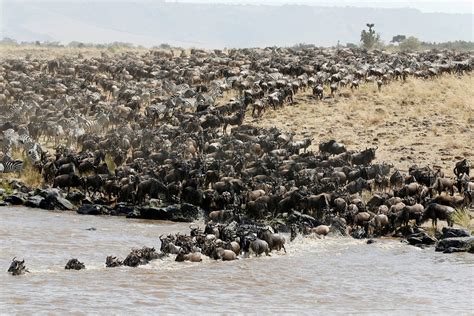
<point x="316" y="275"/>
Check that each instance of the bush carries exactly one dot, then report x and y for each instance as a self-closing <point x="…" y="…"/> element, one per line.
<point x="411" y="43"/>
<point x="462" y="218"/>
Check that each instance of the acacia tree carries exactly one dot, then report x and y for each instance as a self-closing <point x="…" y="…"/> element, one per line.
<point x="398" y="38"/>
<point x="369" y="38"/>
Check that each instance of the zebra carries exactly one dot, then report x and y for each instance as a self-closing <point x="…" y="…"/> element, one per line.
<point x="98" y="124"/>
<point x="53" y="131"/>
<point x="32" y="149"/>
<point x="10" y="141"/>
<point x="34" y="153"/>
<point x="10" y="166"/>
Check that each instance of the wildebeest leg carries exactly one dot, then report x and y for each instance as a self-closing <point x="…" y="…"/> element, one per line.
<point x="284" y="248"/>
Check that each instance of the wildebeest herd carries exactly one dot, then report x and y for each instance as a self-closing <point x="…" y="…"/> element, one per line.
<point x="147" y="136"/>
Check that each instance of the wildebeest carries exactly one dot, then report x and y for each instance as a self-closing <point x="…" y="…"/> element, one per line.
<point x="140" y="256"/>
<point x="379" y="222"/>
<point x="332" y="147"/>
<point x="412" y="212"/>
<point x="396" y="179"/>
<point x="112" y="261"/>
<point x="318" y="92"/>
<point x="435" y="211"/>
<point x="444" y="184"/>
<point x="17" y="267"/>
<point x="358" y="185"/>
<point x="364" y="157"/>
<point x="224" y="254"/>
<point x="361" y="219"/>
<point x="275" y="241"/>
<point x="258" y="246"/>
<point x="168" y="246"/>
<point x="193" y="257"/>
<point x="462" y="167"/>
<point x="322" y="230"/>
<point x="151" y="187"/>
<point x="74" y="264"/>
<point x="68" y="181"/>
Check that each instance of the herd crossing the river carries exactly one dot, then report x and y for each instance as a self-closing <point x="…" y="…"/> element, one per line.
<point x="155" y="135"/>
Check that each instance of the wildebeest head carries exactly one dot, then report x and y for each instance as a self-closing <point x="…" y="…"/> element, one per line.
<point x="17" y="267"/>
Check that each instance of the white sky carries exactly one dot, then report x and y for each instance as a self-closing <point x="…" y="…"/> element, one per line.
<point x="447" y="6"/>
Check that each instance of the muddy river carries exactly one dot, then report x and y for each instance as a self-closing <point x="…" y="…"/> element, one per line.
<point x="338" y="275"/>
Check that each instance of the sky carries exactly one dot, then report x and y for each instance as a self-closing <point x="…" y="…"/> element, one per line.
<point x="446" y="6"/>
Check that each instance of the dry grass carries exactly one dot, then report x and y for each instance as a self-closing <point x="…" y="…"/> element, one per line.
<point x="43" y="52"/>
<point x="5" y="185"/>
<point x="110" y="163"/>
<point x="462" y="217"/>
<point x="30" y="176"/>
<point x="424" y="122"/>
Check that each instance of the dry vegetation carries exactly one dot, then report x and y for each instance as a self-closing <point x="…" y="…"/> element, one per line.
<point x="424" y="122"/>
<point x="463" y="218"/>
<point x="30" y="175"/>
<point x="44" y="52"/>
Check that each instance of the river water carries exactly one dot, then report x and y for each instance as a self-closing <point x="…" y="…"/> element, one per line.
<point x="340" y="275"/>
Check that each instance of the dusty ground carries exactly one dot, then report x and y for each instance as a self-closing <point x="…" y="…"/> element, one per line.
<point x="424" y="122"/>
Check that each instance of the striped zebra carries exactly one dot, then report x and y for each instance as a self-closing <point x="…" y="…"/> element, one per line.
<point x="10" y="141"/>
<point x="10" y="166"/>
<point x="94" y="125"/>
<point x="32" y="149"/>
<point x="54" y="131"/>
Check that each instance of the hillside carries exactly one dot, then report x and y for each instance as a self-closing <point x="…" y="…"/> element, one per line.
<point x="217" y="25"/>
<point x="417" y="122"/>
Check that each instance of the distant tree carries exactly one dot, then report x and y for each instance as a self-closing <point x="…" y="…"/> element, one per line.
<point x="76" y="44"/>
<point x="9" y="41"/>
<point x="301" y="46"/>
<point x="456" y="45"/>
<point x="369" y="38"/>
<point x="411" y="43"/>
<point x="121" y="45"/>
<point x="351" y="45"/>
<point x="165" y="46"/>
<point x="398" y="39"/>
